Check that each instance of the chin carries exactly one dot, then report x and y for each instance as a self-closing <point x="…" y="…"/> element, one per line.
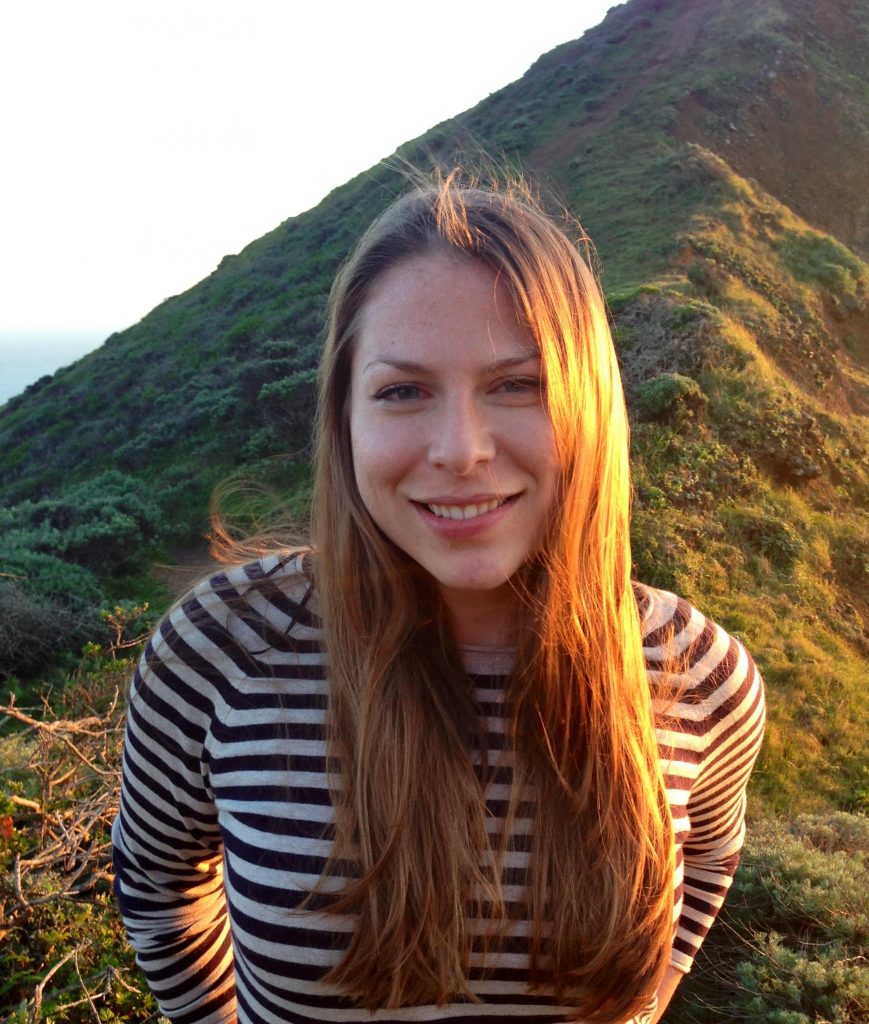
<point x="482" y="583"/>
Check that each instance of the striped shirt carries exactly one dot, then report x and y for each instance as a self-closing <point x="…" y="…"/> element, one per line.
<point x="224" y="823"/>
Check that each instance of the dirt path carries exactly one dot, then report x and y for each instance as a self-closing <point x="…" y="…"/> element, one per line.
<point x="183" y="568"/>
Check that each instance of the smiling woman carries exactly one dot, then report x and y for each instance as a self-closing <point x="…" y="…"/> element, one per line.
<point x="453" y="451"/>
<point x="448" y="763"/>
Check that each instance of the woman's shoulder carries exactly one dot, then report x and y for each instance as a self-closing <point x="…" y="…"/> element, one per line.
<point x="701" y="662"/>
<point x="664" y="612"/>
<point x="241" y="638"/>
<point x="270" y="599"/>
<point x="287" y="572"/>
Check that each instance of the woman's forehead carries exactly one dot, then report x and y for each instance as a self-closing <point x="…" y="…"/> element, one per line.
<point x="437" y="305"/>
<point x="432" y="284"/>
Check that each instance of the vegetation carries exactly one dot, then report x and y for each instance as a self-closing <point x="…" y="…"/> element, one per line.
<point x="63" y="954"/>
<point x="790" y="947"/>
<point x="791" y="944"/>
<point x="59" y="555"/>
<point x="734" y="264"/>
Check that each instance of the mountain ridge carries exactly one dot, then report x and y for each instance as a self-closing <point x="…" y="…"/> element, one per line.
<point x="682" y="134"/>
<point x="548" y="157"/>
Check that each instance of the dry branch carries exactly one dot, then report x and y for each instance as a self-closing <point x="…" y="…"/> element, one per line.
<point x="60" y="827"/>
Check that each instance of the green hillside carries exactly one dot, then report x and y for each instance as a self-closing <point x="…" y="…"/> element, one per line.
<point x="717" y="155"/>
<point x="717" y="151"/>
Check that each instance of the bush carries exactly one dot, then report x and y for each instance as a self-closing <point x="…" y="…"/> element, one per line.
<point x="101" y="524"/>
<point x="795" y="987"/>
<point x="807" y="878"/>
<point x="820" y="259"/>
<point x="47" y="607"/>
<point x="63" y="955"/>
<point x="51" y="551"/>
<point x="659" y="552"/>
<point x="670" y="396"/>
<point x="767" y="534"/>
<point x="780" y="438"/>
<point x="708" y="277"/>
<point x="47" y="576"/>
<point x="34" y="628"/>
<point x="689" y="468"/>
<point x="850" y="555"/>
<point x="792" y="941"/>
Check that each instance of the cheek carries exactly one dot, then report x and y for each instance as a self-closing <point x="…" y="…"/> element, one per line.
<point x="364" y="465"/>
<point x="548" y="469"/>
<point x="380" y="458"/>
<point x="533" y="442"/>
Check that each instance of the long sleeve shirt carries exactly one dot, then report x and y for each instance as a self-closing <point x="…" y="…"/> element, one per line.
<point x="225" y="816"/>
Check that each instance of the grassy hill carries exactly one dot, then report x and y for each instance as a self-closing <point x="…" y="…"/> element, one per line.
<point x="717" y="155"/>
<point x="717" y="151"/>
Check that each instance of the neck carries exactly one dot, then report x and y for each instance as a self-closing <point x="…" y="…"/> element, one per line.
<point x="483" y="618"/>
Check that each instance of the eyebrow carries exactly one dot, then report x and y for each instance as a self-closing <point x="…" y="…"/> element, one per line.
<point x="408" y="366"/>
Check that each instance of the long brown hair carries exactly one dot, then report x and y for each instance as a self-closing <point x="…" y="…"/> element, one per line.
<point x="409" y="807"/>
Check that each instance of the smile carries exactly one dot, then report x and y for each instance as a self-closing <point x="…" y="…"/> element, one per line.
<point x="465" y="511"/>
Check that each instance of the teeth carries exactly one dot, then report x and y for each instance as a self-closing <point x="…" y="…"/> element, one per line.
<point x="465" y="511"/>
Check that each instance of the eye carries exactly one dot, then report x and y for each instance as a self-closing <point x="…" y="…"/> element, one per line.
<point x="398" y="393"/>
<point x="520" y="386"/>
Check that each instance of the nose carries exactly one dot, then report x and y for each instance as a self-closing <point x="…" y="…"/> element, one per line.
<point x="463" y="439"/>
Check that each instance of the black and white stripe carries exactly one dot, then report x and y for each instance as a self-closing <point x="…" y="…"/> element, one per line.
<point x="225" y="811"/>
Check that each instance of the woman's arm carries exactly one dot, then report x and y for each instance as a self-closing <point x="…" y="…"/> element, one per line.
<point x="668" y="985"/>
<point x="728" y="717"/>
<point x="167" y="848"/>
<point x="709" y="738"/>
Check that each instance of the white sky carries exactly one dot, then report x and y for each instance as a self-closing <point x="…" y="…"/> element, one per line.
<point x="143" y="140"/>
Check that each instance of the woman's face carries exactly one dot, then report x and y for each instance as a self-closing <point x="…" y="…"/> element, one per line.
<point x="453" y="451"/>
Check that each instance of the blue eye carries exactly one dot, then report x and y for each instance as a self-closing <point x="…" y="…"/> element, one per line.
<point x="398" y="393"/>
<point x="521" y="385"/>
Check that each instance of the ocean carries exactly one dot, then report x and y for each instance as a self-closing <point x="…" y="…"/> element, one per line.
<point x="28" y="354"/>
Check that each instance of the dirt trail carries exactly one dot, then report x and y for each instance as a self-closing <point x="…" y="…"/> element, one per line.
<point x="184" y="567"/>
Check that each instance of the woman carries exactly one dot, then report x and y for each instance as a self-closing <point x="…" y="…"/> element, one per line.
<point x="449" y="764"/>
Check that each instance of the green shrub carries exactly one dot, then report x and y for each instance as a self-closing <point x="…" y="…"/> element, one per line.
<point x="708" y="277"/>
<point x="35" y="628"/>
<point x="801" y="987"/>
<point x="670" y="396"/>
<point x="47" y="607"/>
<point x="690" y="468"/>
<point x="767" y="534"/>
<point x="52" y="553"/>
<point x="658" y="550"/>
<point x="779" y="435"/>
<point x="850" y="555"/>
<point x="47" y="577"/>
<point x="791" y="944"/>
<point x="102" y="524"/>
<point x="807" y="879"/>
<point x="820" y="259"/>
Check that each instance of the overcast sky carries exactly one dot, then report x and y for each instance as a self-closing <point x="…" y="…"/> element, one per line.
<point x="143" y="140"/>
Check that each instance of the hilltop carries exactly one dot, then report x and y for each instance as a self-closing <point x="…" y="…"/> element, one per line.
<point x="716" y="153"/>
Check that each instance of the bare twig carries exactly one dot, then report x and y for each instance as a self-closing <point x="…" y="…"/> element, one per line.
<point x="85" y="989"/>
<point x="36" y="1002"/>
<point x="89" y="726"/>
<point x="113" y="974"/>
<point x="22" y="801"/>
<point x="16" y="881"/>
<point x="62" y="823"/>
<point x="83" y="757"/>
